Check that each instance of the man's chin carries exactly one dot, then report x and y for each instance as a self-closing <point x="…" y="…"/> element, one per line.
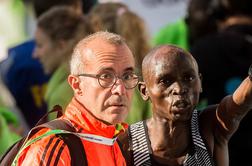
<point x="117" y="109"/>
<point x="116" y="114"/>
<point x="181" y="117"/>
<point x="113" y="121"/>
<point x="116" y="118"/>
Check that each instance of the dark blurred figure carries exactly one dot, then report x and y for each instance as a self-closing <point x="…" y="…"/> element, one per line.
<point x="87" y="5"/>
<point x="24" y="76"/>
<point x="200" y="20"/>
<point x="220" y="55"/>
<point x="225" y="57"/>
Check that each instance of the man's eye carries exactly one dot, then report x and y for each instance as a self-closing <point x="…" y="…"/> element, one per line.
<point x="106" y="76"/>
<point x="129" y="76"/>
<point x="165" y="82"/>
<point x="189" y="78"/>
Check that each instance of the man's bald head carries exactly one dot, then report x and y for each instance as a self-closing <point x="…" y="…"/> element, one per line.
<point x="84" y="50"/>
<point x="164" y="51"/>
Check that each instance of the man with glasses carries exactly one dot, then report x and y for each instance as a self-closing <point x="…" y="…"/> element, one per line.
<point x="102" y="78"/>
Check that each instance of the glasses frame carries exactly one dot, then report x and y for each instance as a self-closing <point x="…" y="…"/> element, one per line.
<point x="97" y="76"/>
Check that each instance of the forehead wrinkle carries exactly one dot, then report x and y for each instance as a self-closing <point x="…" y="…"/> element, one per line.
<point x="173" y="54"/>
<point x="98" y="55"/>
<point x="112" y="57"/>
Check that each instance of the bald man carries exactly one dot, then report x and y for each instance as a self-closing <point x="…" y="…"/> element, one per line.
<point x="178" y="134"/>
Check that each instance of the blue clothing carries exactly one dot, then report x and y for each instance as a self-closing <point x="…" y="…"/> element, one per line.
<point x="24" y="77"/>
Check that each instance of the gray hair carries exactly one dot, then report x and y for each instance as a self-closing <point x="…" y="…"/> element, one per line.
<point x="77" y="64"/>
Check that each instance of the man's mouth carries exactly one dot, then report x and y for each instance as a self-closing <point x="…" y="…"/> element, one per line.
<point x="117" y="105"/>
<point x="181" y="104"/>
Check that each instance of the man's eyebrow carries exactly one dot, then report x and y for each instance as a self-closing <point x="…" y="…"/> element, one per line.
<point x="111" y="69"/>
<point x="129" y="69"/>
<point x="106" y="69"/>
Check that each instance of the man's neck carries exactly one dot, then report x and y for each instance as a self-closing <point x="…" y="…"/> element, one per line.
<point x="170" y="141"/>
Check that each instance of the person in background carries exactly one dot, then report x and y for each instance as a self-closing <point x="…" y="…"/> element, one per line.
<point x="225" y="56"/>
<point x="117" y="18"/>
<point x="177" y="133"/>
<point x="103" y="80"/>
<point x="200" y="20"/>
<point x="24" y="75"/>
<point x="58" y="30"/>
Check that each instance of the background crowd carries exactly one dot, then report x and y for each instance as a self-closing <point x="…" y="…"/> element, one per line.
<point x="33" y="74"/>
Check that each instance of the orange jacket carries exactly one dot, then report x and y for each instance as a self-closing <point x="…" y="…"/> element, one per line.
<point x="51" y="150"/>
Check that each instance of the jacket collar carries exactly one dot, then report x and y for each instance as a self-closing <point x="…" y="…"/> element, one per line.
<point x="85" y="122"/>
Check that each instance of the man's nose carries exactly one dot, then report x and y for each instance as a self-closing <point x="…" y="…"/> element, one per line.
<point x="118" y="87"/>
<point x="179" y="89"/>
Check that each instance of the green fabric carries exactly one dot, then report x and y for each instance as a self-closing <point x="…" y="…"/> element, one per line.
<point x="1" y="98"/>
<point x="58" y="91"/>
<point x="139" y="110"/>
<point x="176" y="33"/>
<point x="29" y="142"/>
<point x="7" y="137"/>
<point x="9" y="116"/>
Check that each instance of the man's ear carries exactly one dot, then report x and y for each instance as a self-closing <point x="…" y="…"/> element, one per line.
<point x="74" y="82"/>
<point x="200" y="76"/>
<point x="143" y="90"/>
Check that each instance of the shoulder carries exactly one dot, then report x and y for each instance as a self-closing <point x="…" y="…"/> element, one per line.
<point x="58" y="90"/>
<point x="207" y="125"/>
<point x="20" y="57"/>
<point x="123" y="141"/>
<point x="22" y="48"/>
<point x="48" y="149"/>
<point x="207" y="117"/>
<point x="20" y="62"/>
<point x="213" y="128"/>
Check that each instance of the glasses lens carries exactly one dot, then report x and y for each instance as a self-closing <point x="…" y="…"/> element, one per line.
<point x="106" y="79"/>
<point x="130" y="80"/>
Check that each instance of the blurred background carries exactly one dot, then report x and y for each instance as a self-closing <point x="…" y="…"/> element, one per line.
<point x="17" y="22"/>
<point x="218" y="33"/>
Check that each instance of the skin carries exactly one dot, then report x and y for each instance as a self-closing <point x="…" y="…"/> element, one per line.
<point x="48" y="52"/>
<point x="110" y="105"/>
<point x="173" y="85"/>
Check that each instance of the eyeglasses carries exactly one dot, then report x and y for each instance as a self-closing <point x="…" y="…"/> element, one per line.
<point x="108" y="79"/>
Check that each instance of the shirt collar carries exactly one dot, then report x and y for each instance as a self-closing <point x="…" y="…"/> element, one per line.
<point x="87" y="123"/>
